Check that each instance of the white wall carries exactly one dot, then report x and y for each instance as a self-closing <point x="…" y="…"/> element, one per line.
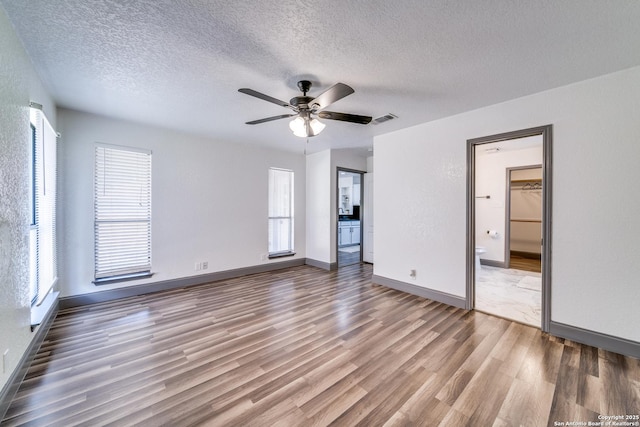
<point x="209" y="200"/>
<point x="420" y="196"/>
<point x="491" y="180"/>
<point x="420" y="207"/>
<point x="19" y="84"/>
<point x="319" y="206"/>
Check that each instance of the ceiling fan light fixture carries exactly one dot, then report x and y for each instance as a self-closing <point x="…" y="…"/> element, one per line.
<point x="316" y="126"/>
<point x="299" y="127"/>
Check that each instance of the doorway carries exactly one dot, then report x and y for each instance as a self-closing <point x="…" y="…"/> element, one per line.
<point x="523" y="235"/>
<point x="497" y="283"/>
<point x="349" y="214"/>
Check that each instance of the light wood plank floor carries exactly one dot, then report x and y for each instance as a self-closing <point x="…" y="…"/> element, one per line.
<point x="306" y="347"/>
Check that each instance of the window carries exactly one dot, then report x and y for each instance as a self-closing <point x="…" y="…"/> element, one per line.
<point x="280" y="212"/>
<point x="43" y="270"/>
<point x="122" y="213"/>
<point x="33" y="229"/>
<point x="32" y="175"/>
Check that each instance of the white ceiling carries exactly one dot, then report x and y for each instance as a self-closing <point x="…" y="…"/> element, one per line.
<point x="178" y="64"/>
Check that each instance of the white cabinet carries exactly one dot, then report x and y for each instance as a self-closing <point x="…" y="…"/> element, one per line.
<point x="344" y="233"/>
<point x="356" y="195"/>
<point x="346" y="196"/>
<point x="348" y="233"/>
<point x="355" y="234"/>
<point x="344" y="236"/>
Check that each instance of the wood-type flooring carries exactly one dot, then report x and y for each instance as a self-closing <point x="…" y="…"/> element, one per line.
<point x="524" y="263"/>
<point x="308" y="347"/>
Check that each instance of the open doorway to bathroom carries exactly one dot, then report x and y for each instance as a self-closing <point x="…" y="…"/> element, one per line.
<point x="349" y="203"/>
<point x="508" y="271"/>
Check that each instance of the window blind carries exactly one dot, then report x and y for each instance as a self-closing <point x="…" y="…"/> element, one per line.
<point x="122" y="209"/>
<point x="44" y="193"/>
<point x="280" y="211"/>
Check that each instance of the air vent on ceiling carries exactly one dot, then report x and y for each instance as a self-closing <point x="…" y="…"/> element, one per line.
<point x="384" y="118"/>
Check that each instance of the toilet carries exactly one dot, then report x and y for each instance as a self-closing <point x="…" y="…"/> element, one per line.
<point x="479" y="251"/>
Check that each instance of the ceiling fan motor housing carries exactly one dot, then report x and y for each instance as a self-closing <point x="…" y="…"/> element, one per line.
<point x="301" y="102"/>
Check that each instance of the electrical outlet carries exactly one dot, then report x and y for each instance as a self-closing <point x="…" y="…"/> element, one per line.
<point x="205" y="265"/>
<point x="4" y="361"/>
<point x="412" y="274"/>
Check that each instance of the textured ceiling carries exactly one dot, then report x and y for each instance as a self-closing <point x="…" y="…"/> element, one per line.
<point x="178" y="64"/>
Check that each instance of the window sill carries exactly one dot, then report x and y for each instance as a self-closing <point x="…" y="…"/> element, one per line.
<point x="281" y="255"/>
<point x="39" y="312"/>
<point x="122" y="278"/>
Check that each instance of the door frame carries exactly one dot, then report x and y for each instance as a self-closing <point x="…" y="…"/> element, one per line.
<point x="507" y="211"/>
<point x="361" y="173"/>
<point x="547" y="167"/>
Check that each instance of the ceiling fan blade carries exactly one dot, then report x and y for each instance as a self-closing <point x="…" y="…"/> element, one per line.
<point x="331" y="95"/>
<point x="265" y="97"/>
<point x="269" y="119"/>
<point x="353" y="118"/>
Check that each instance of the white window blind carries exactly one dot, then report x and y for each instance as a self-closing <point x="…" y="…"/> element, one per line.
<point x="280" y="211"/>
<point x="42" y="238"/>
<point x="122" y="206"/>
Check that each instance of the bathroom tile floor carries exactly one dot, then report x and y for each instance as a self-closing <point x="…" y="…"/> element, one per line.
<point x="509" y="293"/>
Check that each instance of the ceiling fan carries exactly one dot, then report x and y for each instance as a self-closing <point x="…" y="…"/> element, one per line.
<point x="307" y="108"/>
